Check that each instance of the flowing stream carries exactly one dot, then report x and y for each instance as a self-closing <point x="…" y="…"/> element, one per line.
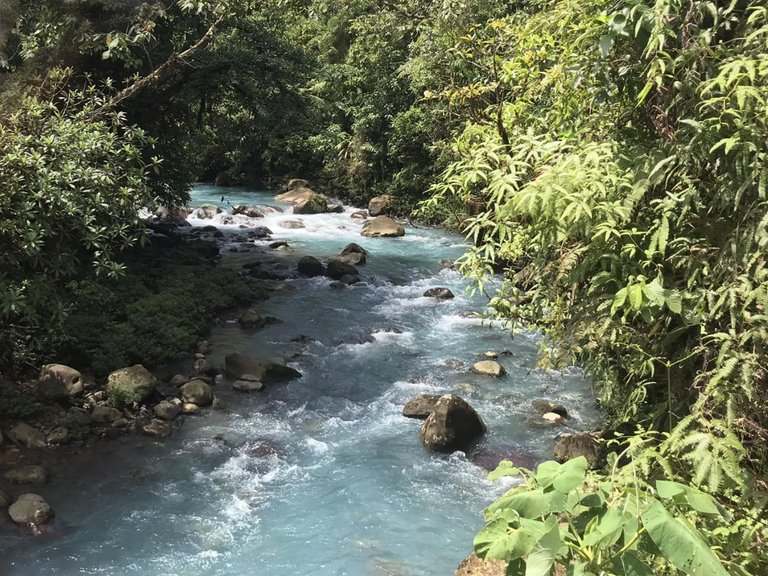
<point x="322" y="476"/>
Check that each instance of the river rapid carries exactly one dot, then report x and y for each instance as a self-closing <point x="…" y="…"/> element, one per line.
<point x="321" y="476"/>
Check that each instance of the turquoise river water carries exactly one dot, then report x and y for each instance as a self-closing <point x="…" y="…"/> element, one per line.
<point x="322" y="476"/>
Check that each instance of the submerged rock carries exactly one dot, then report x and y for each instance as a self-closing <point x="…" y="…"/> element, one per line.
<point x="292" y="224"/>
<point x="420" y="406"/>
<point x="571" y="446"/>
<point x="24" y="435"/>
<point x="252" y="319"/>
<point x="452" y="425"/>
<point x="196" y="392"/>
<point x="132" y="384"/>
<point x="237" y="366"/>
<point x="488" y="368"/>
<point x="31" y="510"/>
<point x="382" y="226"/>
<point x="440" y="293"/>
<point x="157" y="428"/>
<point x="311" y="267"/>
<point x="248" y="385"/>
<point x="27" y="475"/>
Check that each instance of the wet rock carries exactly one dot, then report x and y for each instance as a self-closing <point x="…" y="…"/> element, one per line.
<point x="196" y="392"/>
<point x="245" y="210"/>
<point x="295" y="195"/>
<point x="190" y="408"/>
<point x="350" y="279"/>
<point x="59" y="382"/>
<point x="252" y="319"/>
<point x="259" y="232"/>
<point x="206" y="212"/>
<point x="248" y="385"/>
<point x="58" y="435"/>
<point x="178" y="380"/>
<point x="311" y="266"/>
<point x="382" y="227"/>
<point x="359" y="215"/>
<point x="474" y="566"/>
<point x="420" y="406"/>
<point x="204" y="366"/>
<point x="337" y="269"/>
<point x="157" y="428"/>
<point x="24" y="435"/>
<point x="199" y="356"/>
<point x="303" y="339"/>
<point x="452" y="425"/>
<point x="378" y="205"/>
<point x="554" y="418"/>
<point x="132" y="384"/>
<point x="105" y="414"/>
<point x="5" y="500"/>
<point x="353" y="248"/>
<point x="292" y="224"/>
<point x="454" y="363"/>
<point x="335" y="206"/>
<point x="311" y="204"/>
<point x="279" y="244"/>
<point x="31" y="510"/>
<point x="166" y="410"/>
<point x="491" y="355"/>
<point x="544" y="406"/>
<point x="439" y="293"/>
<point x="204" y="347"/>
<point x="355" y="339"/>
<point x="488" y="368"/>
<point x="354" y="258"/>
<point x="26" y="475"/>
<point x="237" y="365"/>
<point x="336" y="285"/>
<point x="445" y="263"/>
<point x="569" y="446"/>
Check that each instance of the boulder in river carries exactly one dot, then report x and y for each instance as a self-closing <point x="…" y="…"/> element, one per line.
<point x="359" y="215"/>
<point x="58" y="435"/>
<point x="292" y="224"/>
<point x="382" y="226"/>
<point x="245" y="210"/>
<point x="544" y="406"/>
<point x="196" y="392"/>
<point x="167" y="410"/>
<point x="248" y="385"/>
<point x="259" y="232"/>
<point x="105" y="414"/>
<point x="128" y="385"/>
<point x="311" y="266"/>
<point x="30" y="474"/>
<point x="178" y="380"/>
<point x="474" y="566"/>
<point x="351" y="249"/>
<point x="378" y="205"/>
<point x="569" y="446"/>
<point x="252" y="319"/>
<point x="452" y="425"/>
<point x="157" y="428"/>
<point x="26" y="436"/>
<point x="295" y="195"/>
<point x="489" y="457"/>
<point x="440" y="293"/>
<point x="312" y="204"/>
<point x="207" y="211"/>
<point x="31" y="511"/>
<point x="237" y="365"/>
<point x="488" y="368"/>
<point x="336" y="269"/>
<point x="60" y="382"/>
<point x="420" y="406"/>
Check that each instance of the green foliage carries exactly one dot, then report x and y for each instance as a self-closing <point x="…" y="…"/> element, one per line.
<point x="561" y="517"/>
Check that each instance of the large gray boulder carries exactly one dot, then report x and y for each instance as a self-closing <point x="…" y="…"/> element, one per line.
<point x="294" y="195"/>
<point x="311" y="204"/>
<point x="337" y="269"/>
<point x="245" y="210"/>
<point x="420" y="406"/>
<point x="311" y="266"/>
<point x="128" y="385"/>
<point x="378" y="205"/>
<point x="238" y="366"/>
<point x="382" y="226"/>
<point x="24" y="435"/>
<point x="60" y="382"/>
<point x="196" y="392"/>
<point x="30" y="510"/>
<point x="452" y="425"/>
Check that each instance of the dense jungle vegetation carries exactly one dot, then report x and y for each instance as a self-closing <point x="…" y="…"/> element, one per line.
<point x="610" y="158"/>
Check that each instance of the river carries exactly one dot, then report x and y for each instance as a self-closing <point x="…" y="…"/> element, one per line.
<point x="322" y="476"/>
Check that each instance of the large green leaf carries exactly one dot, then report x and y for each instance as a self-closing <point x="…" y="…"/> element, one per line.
<point x="562" y="477"/>
<point x="680" y="542"/>
<point x="505" y="468"/>
<point x="541" y="559"/>
<point x="630" y="564"/>
<point x="687" y="495"/>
